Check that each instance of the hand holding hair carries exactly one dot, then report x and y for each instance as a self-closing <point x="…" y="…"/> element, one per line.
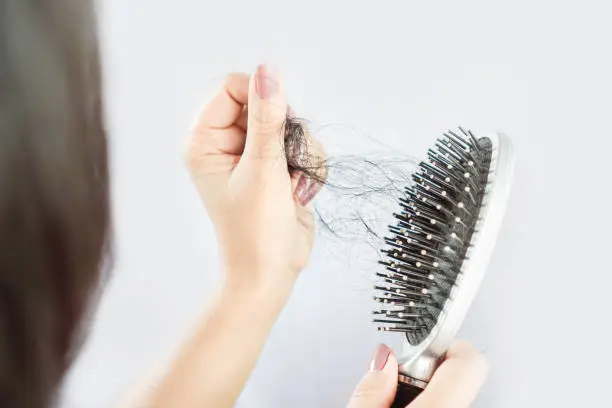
<point x="454" y="385"/>
<point x="265" y="227"/>
<point x="237" y="160"/>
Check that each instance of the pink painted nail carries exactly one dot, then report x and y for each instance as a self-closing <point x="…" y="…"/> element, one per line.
<point x="306" y="189"/>
<point x="266" y="82"/>
<point x="379" y="361"/>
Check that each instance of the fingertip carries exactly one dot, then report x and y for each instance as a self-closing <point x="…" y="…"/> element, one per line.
<point x="377" y="387"/>
<point x="306" y="189"/>
<point x="223" y="106"/>
<point x="267" y="112"/>
<point x="236" y="84"/>
<point x="481" y="365"/>
<point x="458" y="380"/>
<point x="267" y="83"/>
<point x="237" y="80"/>
<point x="470" y="356"/>
<point x="392" y="365"/>
<point x="461" y="348"/>
<point x="380" y="358"/>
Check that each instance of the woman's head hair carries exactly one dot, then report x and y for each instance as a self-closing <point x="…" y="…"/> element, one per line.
<point x="54" y="195"/>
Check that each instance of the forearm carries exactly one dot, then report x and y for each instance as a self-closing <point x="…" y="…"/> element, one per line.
<point x="214" y="365"/>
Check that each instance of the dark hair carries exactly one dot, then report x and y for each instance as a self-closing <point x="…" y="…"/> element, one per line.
<point x="54" y="195"/>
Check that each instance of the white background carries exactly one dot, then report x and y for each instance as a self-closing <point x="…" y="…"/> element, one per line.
<point x="400" y="71"/>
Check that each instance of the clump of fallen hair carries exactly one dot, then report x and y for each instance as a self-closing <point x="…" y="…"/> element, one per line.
<point x="300" y="157"/>
<point x="360" y="192"/>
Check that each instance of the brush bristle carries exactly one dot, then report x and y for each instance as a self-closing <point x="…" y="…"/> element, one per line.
<point x="427" y="244"/>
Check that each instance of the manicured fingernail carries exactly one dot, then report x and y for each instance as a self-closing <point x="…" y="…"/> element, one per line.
<point x="379" y="361"/>
<point x="306" y="189"/>
<point x="290" y="113"/>
<point x="266" y="82"/>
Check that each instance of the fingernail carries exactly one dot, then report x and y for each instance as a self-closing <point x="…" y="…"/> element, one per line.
<point x="379" y="361"/>
<point x="306" y="189"/>
<point x="266" y="82"/>
<point x="290" y="113"/>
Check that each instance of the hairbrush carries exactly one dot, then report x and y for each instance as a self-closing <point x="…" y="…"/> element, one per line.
<point x="438" y="249"/>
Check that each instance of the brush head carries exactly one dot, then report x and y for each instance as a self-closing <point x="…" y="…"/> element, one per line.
<point x="428" y="243"/>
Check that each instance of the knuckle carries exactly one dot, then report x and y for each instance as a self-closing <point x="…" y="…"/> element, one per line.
<point x="269" y="142"/>
<point x="462" y="349"/>
<point x="266" y="151"/>
<point x="193" y="159"/>
<point x="231" y="78"/>
<point x="266" y="128"/>
<point x="363" y="394"/>
<point x="194" y="156"/>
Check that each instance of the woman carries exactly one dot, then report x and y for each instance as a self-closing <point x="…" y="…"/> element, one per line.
<point x="54" y="222"/>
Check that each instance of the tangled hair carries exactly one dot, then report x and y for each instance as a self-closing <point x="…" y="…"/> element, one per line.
<point x="360" y="191"/>
<point x="299" y="160"/>
<point x="54" y="194"/>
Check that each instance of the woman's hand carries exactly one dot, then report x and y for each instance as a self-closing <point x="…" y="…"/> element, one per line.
<point x="237" y="160"/>
<point x="454" y="385"/>
<point x="265" y="229"/>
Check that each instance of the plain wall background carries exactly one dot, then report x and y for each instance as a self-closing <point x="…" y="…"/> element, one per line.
<point x="400" y="71"/>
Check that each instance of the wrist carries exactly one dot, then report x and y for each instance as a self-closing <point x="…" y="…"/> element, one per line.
<point x="258" y="284"/>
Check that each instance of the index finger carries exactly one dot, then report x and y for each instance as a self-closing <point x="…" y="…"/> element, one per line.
<point x="457" y="381"/>
<point x="226" y="106"/>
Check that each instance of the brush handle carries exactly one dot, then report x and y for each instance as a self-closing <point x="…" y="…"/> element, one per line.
<point x="405" y="394"/>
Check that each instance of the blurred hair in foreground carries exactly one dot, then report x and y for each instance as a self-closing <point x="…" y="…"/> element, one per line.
<point x="54" y="195"/>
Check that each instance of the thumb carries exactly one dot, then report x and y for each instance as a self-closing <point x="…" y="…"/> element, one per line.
<point x="267" y="112"/>
<point x="377" y="387"/>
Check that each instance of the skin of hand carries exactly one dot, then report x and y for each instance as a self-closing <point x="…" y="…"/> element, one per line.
<point x="455" y="383"/>
<point x="264" y="224"/>
<point x="236" y="158"/>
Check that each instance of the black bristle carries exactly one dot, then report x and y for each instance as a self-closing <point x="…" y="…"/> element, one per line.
<point x="423" y="255"/>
